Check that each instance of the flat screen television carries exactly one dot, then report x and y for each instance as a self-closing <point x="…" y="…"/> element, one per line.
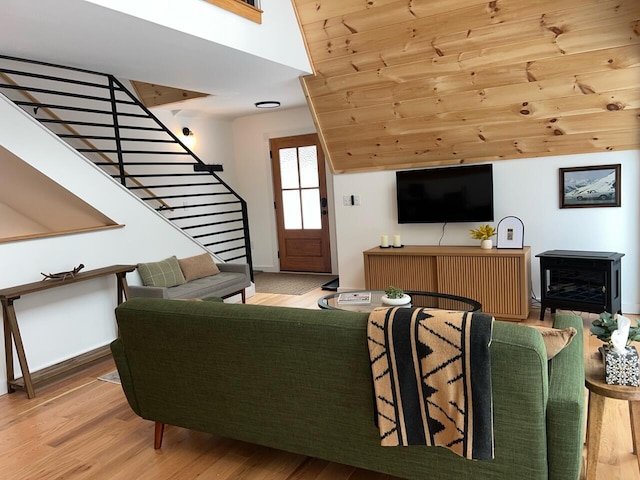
<point x="443" y="195"/>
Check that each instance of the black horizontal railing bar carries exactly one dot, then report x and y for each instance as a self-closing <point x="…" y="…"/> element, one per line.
<point x="97" y="124"/>
<point x="122" y="139"/>
<point x="56" y="79"/>
<point x="186" y="195"/>
<point x="200" y="205"/>
<point x="219" y="242"/>
<point x="219" y="232"/>
<point x="208" y="184"/>
<point x="63" y="94"/>
<point x="131" y="152"/>
<point x="231" y="259"/>
<point x="55" y="106"/>
<point x="224" y="251"/>
<point x="210" y="224"/>
<point x="158" y="175"/>
<point x="184" y="207"/>
<point x="53" y="65"/>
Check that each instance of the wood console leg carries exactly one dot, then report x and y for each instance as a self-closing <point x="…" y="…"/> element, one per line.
<point x="594" y="428"/>
<point x="159" y="432"/>
<point x="8" y="348"/>
<point x="10" y="318"/>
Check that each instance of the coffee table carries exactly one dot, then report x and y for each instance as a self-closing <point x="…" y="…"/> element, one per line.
<point x="418" y="299"/>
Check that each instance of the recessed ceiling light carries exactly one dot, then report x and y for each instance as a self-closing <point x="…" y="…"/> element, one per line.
<point x="268" y="104"/>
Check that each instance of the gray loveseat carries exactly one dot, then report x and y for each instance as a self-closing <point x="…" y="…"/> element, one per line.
<point x="228" y="279"/>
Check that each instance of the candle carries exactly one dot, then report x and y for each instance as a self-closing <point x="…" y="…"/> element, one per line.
<point x="384" y="241"/>
<point x="396" y="241"/>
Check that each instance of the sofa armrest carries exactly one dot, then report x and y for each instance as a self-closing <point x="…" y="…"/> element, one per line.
<point x="235" y="267"/>
<point x="148" y="292"/>
<point x="566" y="404"/>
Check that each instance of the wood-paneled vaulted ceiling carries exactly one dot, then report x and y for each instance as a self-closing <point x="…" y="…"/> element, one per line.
<point x="403" y="83"/>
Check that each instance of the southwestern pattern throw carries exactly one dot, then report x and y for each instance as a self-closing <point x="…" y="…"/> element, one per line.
<point x="432" y="378"/>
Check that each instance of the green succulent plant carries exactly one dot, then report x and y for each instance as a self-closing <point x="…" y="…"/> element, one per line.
<point x="603" y="326"/>
<point x="393" y="292"/>
<point x="483" y="232"/>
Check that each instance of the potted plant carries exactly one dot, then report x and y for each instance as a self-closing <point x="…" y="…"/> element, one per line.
<point x="603" y="326"/>
<point x="395" y="296"/>
<point x="484" y="234"/>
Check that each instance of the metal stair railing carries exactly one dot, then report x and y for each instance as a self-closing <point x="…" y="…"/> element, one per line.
<point x="98" y="115"/>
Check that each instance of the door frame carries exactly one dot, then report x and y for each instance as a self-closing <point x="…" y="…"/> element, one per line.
<point x="330" y="198"/>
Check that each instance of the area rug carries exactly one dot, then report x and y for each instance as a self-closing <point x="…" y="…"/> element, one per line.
<point x="112" y="377"/>
<point x="289" y="283"/>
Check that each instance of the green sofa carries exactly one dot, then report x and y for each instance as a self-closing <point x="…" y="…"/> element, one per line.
<point x="299" y="380"/>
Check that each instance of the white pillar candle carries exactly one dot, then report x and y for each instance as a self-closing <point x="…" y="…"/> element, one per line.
<point x="396" y="241"/>
<point x="384" y="241"/>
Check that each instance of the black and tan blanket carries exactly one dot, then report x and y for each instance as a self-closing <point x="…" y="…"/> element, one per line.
<point x="432" y="378"/>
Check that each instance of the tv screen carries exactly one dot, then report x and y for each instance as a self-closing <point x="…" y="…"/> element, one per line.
<point x="443" y="195"/>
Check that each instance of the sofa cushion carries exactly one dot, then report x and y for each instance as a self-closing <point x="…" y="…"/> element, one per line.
<point x="165" y="273"/>
<point x="198" y="266"/>
<point x="555" y="339"/>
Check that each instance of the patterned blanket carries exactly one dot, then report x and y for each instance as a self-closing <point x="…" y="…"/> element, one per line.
<point x="432" y="379"/>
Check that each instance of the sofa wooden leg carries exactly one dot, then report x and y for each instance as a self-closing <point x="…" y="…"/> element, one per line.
<point x="157" y="441"/>
<point x="242" y="292"/>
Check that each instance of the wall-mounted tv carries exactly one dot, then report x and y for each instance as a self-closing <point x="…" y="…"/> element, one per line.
<point x="443" y="195"/>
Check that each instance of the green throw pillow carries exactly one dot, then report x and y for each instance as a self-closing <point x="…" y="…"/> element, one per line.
<point x="166" y="273"/>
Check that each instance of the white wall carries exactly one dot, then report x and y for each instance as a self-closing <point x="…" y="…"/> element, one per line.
<point x="63" y="322"/>
<point x="255" y="182"/>
<point x="274" y="39"/>
<point x="527" y="189"/>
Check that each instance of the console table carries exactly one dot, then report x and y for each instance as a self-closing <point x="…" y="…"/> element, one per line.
<point x="12" y="331"/>
<point x="580" y="280"/>
<point x="498" y="278"/>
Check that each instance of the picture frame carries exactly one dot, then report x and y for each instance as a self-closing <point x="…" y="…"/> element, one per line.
<point x="510" y="233"/>
<point x="589" y="187"/>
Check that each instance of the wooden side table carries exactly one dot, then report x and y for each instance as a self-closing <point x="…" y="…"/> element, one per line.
<point x="599" y="391"/>
<point x="12" y="331"/>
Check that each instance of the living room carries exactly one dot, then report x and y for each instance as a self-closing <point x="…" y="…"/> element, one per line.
<point x="527" y="188"/>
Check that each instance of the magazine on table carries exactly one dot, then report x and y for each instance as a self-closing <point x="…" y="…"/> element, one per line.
<point x="355" y="297"/>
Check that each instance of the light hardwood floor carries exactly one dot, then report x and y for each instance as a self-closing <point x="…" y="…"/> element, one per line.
<point x="82" y="428"/>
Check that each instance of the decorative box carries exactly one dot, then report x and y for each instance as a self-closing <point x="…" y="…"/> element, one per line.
<point x="621" y="369"/>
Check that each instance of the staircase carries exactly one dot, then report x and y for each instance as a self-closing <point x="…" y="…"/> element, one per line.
<point x="97" y="115"/>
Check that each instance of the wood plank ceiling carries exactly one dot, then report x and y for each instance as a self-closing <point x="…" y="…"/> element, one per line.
<point x="405" y="83"/>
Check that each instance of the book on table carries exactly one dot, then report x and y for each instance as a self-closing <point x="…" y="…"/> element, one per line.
<point x="355" y="298"/>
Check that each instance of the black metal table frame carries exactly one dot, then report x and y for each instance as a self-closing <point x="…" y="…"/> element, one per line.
<point x="476" y="306"/>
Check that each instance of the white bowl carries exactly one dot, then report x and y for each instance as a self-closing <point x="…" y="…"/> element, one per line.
<point x="403" y="300"/>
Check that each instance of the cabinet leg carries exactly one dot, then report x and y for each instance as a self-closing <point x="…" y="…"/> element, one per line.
<point x="12" y="321"/>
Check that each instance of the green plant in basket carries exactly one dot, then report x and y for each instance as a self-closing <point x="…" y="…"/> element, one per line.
<point x="393" y="292"/>
<point x="483" y="232"/>
<point x="603" y="326"/>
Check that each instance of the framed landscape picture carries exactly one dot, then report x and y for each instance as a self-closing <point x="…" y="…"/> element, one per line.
<point x="597" y="186"/>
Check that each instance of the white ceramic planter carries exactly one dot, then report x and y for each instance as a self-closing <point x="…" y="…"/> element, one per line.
<point x="396" y="301"/>
<point x="486" y="244"/>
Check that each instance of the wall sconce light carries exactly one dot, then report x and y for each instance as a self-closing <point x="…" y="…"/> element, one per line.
<point x="267" y="104"/>
<point x="188" y="138"/>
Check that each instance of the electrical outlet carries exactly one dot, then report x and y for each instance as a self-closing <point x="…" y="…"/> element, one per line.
<point x="346" y="200"/>
<point x="356" y="200"/>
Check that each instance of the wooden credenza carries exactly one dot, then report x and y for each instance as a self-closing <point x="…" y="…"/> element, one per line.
<point x="500" y="279"/>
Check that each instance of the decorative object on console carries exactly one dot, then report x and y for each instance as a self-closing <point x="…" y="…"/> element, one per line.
<point x="510" y="233"/>
<point x="396" y="241"/>
<point x="597" y="186"/>
<point x="384" y="241"/>
<point x="484" y="233"/>
<point x="395" y="296"/>
<point x="62" y="275"/>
